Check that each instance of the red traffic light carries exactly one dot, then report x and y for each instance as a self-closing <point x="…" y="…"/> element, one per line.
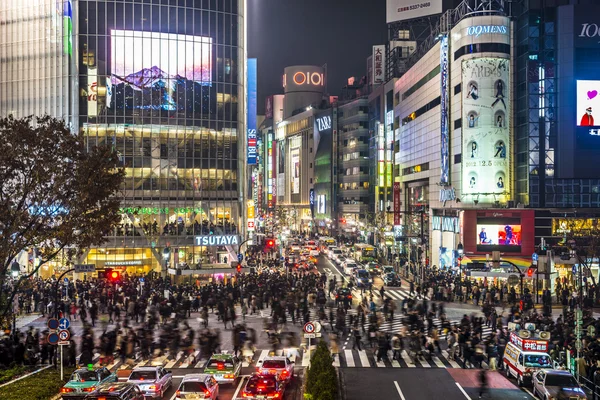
<point x="239" y="268"/>
<point x="530" y="272"/>
<point x="112" y="275"/>
<point x="270" y="242"/>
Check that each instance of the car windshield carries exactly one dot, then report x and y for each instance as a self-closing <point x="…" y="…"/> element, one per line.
<point x="337" y="251"/>
<point x="84" y="376"/>
<point x="560" y="380"/>
<point x="391" y="275"/>
<point x="388" y="269"/>
<point x="363" y="274"/>
<point x="351" y="265"/>
<point x="142" y="376"/>
<point x="538" y="361"/>
<point x="193" y="387"/>
<point x="220" y="364"/>
<point x="274" y="364"/>
<point x="261" y="383"/>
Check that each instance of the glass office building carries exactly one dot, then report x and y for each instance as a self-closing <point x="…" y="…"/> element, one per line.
<point x="162" y="82"/>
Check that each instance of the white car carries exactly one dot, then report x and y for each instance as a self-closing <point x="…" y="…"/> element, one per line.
<point x="330" y="251"/>
<point x="350" y="266"/>
<point x="336" y="255"/>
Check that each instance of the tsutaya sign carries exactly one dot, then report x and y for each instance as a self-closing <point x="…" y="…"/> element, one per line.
<point x="479" y="30"/>
<point x="216" y="240"/>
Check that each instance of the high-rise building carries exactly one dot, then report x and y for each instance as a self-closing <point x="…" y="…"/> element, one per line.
<point x="162" y="83"/>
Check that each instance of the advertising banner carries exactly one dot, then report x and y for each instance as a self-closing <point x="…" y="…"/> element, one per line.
<point x="92" y="92"/>
<point x="295" y="170"/>
<point x="485" y="126"/>
<point x="401" y="10"/>
<point x="269" y="107"/>
<point x="588" y="102"/>
<point x="311" y="202"/>
<point x="444" y="134"/>
<point x="397" y="219"/>
<point x="251" y="215"/>
<point x="378" y="64"/>
<point x="586" y="26"/>
<point x="251" y="115"/>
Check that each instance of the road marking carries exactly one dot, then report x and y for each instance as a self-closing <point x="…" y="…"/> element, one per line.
<point x="380" y="364"/>
<point x="399" y="390"/>
<point x="336" y="360"/>
<point x="527" y="390"/>
<point x="396" y="364"/>
<point x="306" y="358"/>
<point x="364" y="360"/>
<point x="438" y="362"/>
<point x="235" y="395"/>
<point x="349" y="358"/>
<point x="173" y="362"/>
<point x="261" y="358"/>
<point x="339" y="272"/>
<point x="463" y="391"/>
<point x="453" y="363"/>
<point x="407" y="359"/>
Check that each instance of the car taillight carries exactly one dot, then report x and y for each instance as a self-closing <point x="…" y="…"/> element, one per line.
<point x="245" y="394"/>
<point x="66" y="390"/>
<point x="153" y="387"/>
<point x="349" y="297"/>
<point x="272" y="371"/>
<point x="178" y="394"/>
<point x="89" y="389"/>
<point x="207" y="393"/>
<point x="284" y="373"/>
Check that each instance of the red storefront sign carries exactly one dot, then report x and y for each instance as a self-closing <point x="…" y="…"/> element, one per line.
<point x="397" y="219"/>
<point x="529" y="344"/>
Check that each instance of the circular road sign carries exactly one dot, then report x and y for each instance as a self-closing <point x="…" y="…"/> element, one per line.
<point x="53" y="338"/>
<point x="309" y="327"/>
<point x="64" y="336"/>
<point x="64" y="323"/>
<point x="318" y="326"/>
<point x="52" y="323"/>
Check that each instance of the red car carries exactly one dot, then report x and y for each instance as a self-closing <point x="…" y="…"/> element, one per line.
<point x="263" y="387"/>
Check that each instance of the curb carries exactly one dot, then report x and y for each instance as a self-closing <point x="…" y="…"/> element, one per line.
<point x="26" y="376"/>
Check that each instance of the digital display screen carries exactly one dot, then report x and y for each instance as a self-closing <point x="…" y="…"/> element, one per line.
<point x="158" y="71"/>
<point x="588" y="103"/>
<point x="498" y="234"/>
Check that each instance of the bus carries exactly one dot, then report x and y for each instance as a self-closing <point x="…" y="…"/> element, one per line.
<point x="364" y="252"/>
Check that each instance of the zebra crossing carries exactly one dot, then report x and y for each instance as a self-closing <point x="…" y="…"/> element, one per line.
<point x="347" y="358"/>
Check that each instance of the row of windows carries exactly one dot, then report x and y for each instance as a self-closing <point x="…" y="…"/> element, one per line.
<point x="356" y="171"/>
<point x="432" y="74"/>
<point x="415" y="169"/>
<point x="482" y="48"/>
<point x="354" y="185"/>
<point x="422" y="110"/>
<point x="354" y="126"/>
<point x="343" y="113"/>
<point x="355" y="155"/>
<point x="356" y="141"/>
<point x="228" y="6"/>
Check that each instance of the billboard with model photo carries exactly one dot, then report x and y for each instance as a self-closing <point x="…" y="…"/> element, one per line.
<point x="588" y="101"/>
<point x="499" y="234"/>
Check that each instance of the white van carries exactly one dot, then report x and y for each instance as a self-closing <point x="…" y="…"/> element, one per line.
<point x="522" y="363"/>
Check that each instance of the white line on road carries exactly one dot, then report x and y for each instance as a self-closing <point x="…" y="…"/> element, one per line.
<point x="339" y="272"/>
<point x="528" y="392"/>
<point x="235" y="395"/>
<point x="349" y="358"/>
<point x="399" y="390"/>
<point x="463" y="391"/>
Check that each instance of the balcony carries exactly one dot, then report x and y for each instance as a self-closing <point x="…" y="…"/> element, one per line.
<point x="362" y="177"/>
<point x="354" y="133"/>
<point x="357" y="162"/>
<point x="353" y="148"/>
<point x="361" y="192"/>
<point x="357" y="208"/>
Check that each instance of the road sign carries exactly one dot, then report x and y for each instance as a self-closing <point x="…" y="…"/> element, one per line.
<point x="64" y="335"/>
<point x="309" y="327"/>
<point x="591" y="330"/>
<point x="535" y="257"/>
<point x="85" y="268"/>
<point x="574" y="269"/>
<point x="142" y="280"/>
<point x="310" y="335"/>
<point x="240" y="257"/>
<point x="64" y="323"/>
<point x="53" y="338"/>
<point x="52" y="323"/>
<point x="318" y="326"/>
<point x="64" y="343"/>
<point x="66" y="280"/>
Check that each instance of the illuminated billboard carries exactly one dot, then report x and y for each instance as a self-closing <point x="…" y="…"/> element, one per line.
<point x="588" y="102"/>
<point x="295" y="170"/>
<point x="485" y="126"/>
<point x="158" y="71"/>
<point x="495" y="234"/>
<point x="401" y="10"/>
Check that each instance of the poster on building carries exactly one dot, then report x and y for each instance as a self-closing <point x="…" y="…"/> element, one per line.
<point x="444" y="134"/>
<point x="402" y="10"/>
<point x="92" y="92"/>
<point x="269" y="107"/>
<point x="378" y="64"/>
<point x="295" y="170"/>
<point x="397" y="219"/>
<point x="251" y="115"/>
<point x="250" y="214"/>
<point x="485" y="125"/>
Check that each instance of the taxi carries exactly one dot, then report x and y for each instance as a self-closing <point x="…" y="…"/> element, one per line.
<point x="84" y="381"/>
<point x="279" y="366"/>
<point x="225" y="368"/>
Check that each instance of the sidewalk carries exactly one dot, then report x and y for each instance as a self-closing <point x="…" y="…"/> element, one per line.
<point x="26" y="319"/>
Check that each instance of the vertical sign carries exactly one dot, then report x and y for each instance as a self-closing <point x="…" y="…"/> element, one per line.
<point x="251" y="114"/>
<point x="444" y="134"/>
<point x="269" y="107"/>
<point x="311" y="201"/>
<point x="295" y="172"/>
<point x="92" y="92"/>
<point x="251" y="215"/>
<point x="378" y="64"/>
<point x="67" y="27"/>
<point x="397" y="203"/>
<point x="486" y="118"/>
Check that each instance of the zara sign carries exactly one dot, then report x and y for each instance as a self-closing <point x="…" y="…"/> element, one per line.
<point x="323" y="123"/>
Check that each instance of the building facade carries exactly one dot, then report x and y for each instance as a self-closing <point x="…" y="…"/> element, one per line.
<point x="164" y="85"/>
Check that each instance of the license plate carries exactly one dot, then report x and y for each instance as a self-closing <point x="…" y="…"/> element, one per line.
<point x="218" y="376"/>
<point x="261" y="397"/>
<point x="193" y="396"/>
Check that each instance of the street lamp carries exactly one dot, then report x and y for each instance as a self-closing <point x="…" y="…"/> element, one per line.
<point x="460" y="250"/>
<point x="166" y="256"/>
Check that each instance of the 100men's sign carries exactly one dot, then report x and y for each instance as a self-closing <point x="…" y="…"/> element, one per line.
<point x="216" y="240"/>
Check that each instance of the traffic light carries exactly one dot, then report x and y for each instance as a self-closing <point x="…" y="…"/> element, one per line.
<point x="270" y="243"/>
<point x="113" y="276"/>
<point x="530" y="271"/>
<point x="239" y="268"/>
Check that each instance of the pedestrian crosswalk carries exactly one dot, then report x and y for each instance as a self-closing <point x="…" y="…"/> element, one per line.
<point x="366" y="357"/>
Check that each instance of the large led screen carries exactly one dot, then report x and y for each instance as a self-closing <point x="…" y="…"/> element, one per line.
<point x="158" y="71"/>
<point x="495" y="234"/>
<point x="588" y="103"/>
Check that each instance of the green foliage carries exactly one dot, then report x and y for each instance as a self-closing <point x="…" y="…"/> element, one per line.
<point x="56" y="193"/>
<point x="14" y="372"/>
<point x="322" y="379"/>
<point x="42" y="386"/>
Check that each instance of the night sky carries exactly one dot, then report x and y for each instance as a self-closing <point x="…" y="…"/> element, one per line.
<point x="340" y="33"/>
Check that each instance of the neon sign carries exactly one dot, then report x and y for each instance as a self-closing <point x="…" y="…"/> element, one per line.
<point x="479" y="30"/>
<point x="305" y="78"/>
<point x="215" y="240"/>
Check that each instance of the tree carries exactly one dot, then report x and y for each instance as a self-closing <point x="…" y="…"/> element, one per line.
<point x="55" y="194"/>
<point x="322" y="380"/>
